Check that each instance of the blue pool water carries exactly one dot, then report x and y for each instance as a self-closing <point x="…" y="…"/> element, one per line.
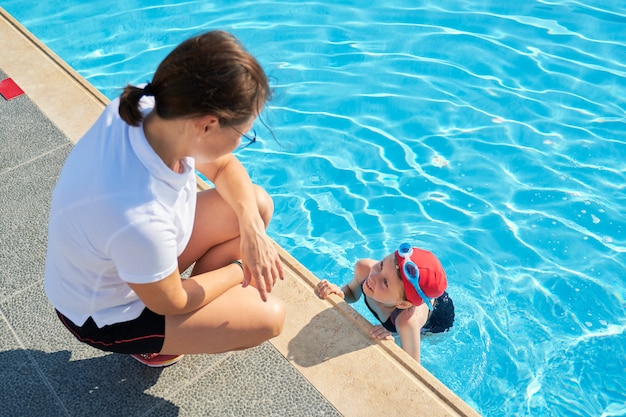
<point x="490" y="133"/>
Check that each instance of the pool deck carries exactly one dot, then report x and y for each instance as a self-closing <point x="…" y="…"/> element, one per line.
<point x="323" y="364"/>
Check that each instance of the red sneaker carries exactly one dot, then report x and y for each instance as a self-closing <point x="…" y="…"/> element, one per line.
<point x="155" y="360"/>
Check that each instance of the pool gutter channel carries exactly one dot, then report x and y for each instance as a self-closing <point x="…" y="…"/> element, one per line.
<point x="326" y="341"/>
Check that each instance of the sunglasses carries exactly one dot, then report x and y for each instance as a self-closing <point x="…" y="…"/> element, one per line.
<point x="412" y="273"/>
<point x="251" y="139"/>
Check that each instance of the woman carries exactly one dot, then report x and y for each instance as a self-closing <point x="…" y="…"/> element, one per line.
<point x="126" y="220"/>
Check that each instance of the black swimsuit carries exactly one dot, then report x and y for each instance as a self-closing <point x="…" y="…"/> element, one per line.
<point x="390" y="324"/>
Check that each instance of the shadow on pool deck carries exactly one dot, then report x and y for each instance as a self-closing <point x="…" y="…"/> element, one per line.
<point x="323" y="364"/>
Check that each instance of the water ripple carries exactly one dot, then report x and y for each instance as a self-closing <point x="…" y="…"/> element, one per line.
<point x="491" y="133"/>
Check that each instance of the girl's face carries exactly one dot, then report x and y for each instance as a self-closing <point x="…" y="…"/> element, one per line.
<point x="383" y="283"/>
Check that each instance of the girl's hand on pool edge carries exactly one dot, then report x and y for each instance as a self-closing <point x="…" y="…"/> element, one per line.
<point x="325" y="288"/>
<point x="378" y="332"/>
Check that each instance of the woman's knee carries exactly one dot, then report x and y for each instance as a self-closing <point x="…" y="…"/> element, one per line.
<point x="274" y="316"/>
<point x="265" y="203"/>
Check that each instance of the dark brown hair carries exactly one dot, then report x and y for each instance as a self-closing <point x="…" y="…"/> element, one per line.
<point x="210" y="73"/>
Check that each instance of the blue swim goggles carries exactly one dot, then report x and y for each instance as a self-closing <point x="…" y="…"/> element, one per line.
<point x="412" y="273"/>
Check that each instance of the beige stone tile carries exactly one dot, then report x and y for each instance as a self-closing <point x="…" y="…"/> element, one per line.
<point x="61" y="93"/>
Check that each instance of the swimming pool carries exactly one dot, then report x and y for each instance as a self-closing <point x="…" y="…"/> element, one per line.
<point x="491" y="134"/>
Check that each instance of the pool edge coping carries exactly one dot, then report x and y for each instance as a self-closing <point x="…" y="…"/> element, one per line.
<point x="86" y="103"/>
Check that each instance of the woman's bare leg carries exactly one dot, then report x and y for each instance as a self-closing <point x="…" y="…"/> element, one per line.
<point x="238" y="319"/>
<point x="215" y="237"/>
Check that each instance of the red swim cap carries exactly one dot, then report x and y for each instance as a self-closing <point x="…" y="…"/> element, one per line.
<point x="432" y="277"/>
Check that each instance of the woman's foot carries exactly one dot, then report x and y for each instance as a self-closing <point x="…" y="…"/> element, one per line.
<point x="156" y="360"/>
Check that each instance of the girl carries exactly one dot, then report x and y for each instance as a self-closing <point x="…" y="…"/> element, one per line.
<point x="405" y="292"/>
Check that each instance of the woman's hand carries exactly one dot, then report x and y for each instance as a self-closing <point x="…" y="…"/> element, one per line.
<point x="261" y="263"/>
<point x="378" y="332"/>
<point x="325" y="288"/>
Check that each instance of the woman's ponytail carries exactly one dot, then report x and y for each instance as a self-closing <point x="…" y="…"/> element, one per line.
<point x="129" y="103"/>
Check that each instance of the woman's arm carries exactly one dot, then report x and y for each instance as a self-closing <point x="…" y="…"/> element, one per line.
<point x="173" y="295"/>
<point x="258" y="253"/>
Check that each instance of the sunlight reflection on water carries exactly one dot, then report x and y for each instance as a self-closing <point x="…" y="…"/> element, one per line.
<point x="489" y="133"/>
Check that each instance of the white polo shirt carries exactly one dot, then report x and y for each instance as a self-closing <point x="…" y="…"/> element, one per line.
<point x="118" y="215"/>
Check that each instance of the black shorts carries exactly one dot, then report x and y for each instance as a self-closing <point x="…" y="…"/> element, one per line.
<point x="145" y="334"/>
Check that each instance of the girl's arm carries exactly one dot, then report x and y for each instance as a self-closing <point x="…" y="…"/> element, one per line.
<point x="409" y="324"/>
<point x="352" y="291"/>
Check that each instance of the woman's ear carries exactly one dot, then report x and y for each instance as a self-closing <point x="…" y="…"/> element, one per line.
<point x="206" y="123"/>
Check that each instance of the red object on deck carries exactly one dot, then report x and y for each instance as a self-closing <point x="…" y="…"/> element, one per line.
<point x="9" y="89"/>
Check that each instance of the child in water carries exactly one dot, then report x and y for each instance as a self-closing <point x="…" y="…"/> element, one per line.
<point x="405" y="292"/>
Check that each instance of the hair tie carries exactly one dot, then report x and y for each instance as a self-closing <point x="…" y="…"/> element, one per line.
<point x="147" y="90"/>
